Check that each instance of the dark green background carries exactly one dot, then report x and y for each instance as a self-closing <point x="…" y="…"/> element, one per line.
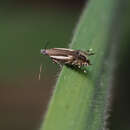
<point x="24" y="28"/>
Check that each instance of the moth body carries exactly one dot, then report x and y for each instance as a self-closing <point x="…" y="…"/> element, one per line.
<point x="68" y="56"/>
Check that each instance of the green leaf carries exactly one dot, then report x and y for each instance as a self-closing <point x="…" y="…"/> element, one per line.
<point x="80" y="100"/>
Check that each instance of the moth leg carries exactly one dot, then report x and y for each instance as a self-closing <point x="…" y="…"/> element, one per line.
<point x="75" y="63"/>
<point x="79" y="66"/>
<point x="87" y="63"/>
<point x="85" y="71"/>
<point x="58" y="63"/>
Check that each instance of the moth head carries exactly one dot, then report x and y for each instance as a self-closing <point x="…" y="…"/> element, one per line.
<point x="43" y="51"/>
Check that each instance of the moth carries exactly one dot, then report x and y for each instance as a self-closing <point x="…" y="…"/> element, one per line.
<point x="66" y="56"/>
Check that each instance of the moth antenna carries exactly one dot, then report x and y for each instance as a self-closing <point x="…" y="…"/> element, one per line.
<point x="46" y="44"/>
<point x="39" y="75"/>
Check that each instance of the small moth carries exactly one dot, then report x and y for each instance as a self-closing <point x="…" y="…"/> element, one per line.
<point x="66" y="56"/>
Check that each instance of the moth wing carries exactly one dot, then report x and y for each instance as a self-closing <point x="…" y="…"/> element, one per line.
<point x="67" y="57"/>
<point x="63" y="49"/>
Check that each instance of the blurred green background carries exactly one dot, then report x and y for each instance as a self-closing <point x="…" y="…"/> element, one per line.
<point x="24" y="28"/>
